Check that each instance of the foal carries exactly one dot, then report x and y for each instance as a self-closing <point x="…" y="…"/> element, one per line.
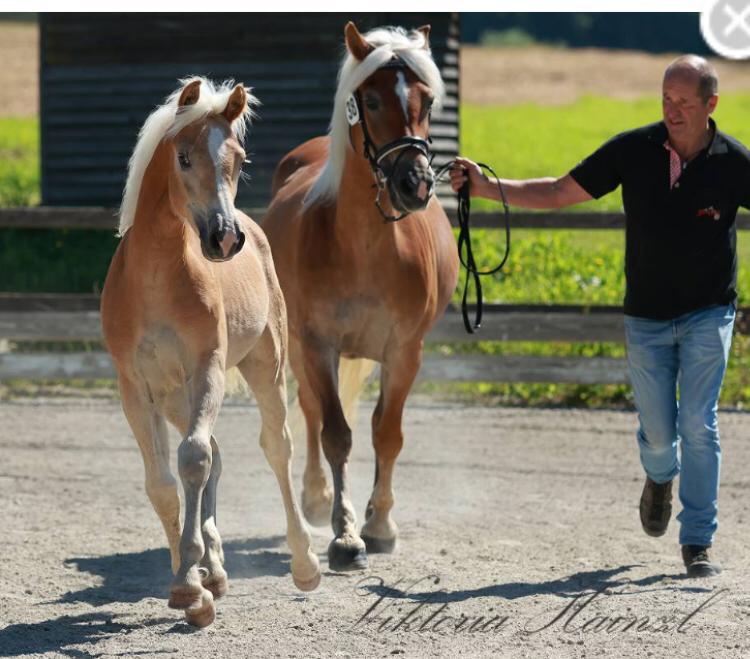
<point x="192" y="291"/>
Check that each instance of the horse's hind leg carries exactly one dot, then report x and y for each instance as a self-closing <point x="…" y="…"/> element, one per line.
<point x="267" y="379"/>
<point x="153" y="440"/>
<point x="317" y="496"/>
<point x="177" y="409"/>
<point x="397" y="376"/>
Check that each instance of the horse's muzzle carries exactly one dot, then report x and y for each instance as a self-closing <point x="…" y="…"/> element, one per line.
<point x="219" y="243"/>
<point x="411" y="187"/>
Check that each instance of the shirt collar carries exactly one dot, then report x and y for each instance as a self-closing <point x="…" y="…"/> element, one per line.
<point x="718" y="143"/>
<point x="659" y="133"/>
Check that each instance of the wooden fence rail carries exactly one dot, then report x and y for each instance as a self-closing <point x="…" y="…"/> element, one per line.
<point x="65" y="318"/>
<point x="72" y="317"/>
<point x="44" y="217"/>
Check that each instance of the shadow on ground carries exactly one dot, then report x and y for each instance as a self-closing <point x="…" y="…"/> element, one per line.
<point x="133" y="577"/>
<point x="428" y="588"/>
<point x="60" y="634"/>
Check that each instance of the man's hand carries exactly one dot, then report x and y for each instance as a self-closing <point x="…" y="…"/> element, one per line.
<point x="466" y="170"/>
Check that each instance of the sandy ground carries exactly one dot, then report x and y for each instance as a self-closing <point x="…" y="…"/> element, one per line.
<point x="489" y="76"/>
<point x="551" y="76"/>
<point x="19" y="73"/>
<point x="511" y="520"/>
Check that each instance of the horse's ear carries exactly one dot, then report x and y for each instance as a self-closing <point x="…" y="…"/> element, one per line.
<point x="425" y="30"/>
<point x="235" y="104"/>
<point x="356" y="44"/>
<point x="190" y="94"/>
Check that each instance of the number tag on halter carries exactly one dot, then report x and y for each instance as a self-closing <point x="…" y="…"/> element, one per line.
<point x="352" y="111"/>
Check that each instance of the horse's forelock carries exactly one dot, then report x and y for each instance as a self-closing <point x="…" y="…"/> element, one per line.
<point x="388" y="42"/>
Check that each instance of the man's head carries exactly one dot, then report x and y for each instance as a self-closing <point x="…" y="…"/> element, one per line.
<point x="689" y="96"/>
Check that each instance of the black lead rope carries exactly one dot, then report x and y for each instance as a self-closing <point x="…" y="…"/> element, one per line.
<point x="466" y="254"/>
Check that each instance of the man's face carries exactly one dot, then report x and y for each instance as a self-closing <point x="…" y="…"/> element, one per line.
<point x="685" y="112"/>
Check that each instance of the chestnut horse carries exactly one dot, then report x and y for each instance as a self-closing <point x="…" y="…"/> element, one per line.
<point x="184" y="301"/>
<point x="367" y="262"/>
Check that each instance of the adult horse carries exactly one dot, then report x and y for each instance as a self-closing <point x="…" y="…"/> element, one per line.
<point x="184" y="301"/>
<point x="367" y="262"/>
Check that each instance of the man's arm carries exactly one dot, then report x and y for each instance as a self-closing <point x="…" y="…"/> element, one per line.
<point x="529" y="193"/>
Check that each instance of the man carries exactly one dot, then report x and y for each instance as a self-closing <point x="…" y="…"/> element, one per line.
<point x="682" y="183"/>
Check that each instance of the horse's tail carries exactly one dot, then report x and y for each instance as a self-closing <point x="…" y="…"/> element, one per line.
<point x="353" y="373"/>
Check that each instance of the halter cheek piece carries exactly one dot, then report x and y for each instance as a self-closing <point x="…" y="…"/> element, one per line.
<point x="383" y="171"/>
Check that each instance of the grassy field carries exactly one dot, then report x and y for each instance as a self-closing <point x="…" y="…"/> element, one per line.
<point x="19" y="162"/>
<point x="526" y="141"/>
<point x="558" y="266"/>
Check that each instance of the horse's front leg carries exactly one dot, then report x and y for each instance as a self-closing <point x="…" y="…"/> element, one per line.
<point x="176" y="406"/>
<point x="397" y="376"/>
<point x="195" y="459"/>
<point x="347" y="550"/>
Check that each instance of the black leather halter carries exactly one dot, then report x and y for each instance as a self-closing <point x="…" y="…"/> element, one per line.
<point x="376" y="156"/>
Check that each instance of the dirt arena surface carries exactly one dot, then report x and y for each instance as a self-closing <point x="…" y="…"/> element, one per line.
<point x="511" y="520"/>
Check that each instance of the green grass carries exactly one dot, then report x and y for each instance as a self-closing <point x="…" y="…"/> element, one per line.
<point x="19" y="162"/>
<point x="567" y="266"/>
<point x="528" y="141"/>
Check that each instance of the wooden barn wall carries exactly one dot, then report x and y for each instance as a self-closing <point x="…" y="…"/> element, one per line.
<point x="101" y="75"/>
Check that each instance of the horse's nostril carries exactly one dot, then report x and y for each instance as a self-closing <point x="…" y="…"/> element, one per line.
<point x="410" y="183"/>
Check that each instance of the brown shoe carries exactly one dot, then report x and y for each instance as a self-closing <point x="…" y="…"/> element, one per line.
<point x="698" y="562"/>
<point x="656" y="507"/>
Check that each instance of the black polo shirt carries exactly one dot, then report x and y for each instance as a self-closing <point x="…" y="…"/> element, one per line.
<point x="680" y="244"/>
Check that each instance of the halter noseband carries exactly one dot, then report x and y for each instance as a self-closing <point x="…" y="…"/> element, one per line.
<point x="355" y="115"/>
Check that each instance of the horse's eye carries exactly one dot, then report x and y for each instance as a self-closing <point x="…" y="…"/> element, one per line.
<point x="372" y="103"/>
<point x="427" y="108"/>
<point x="184" y="160"/>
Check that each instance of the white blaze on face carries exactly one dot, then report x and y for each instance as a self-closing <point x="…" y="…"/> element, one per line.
<point x="402" y="91"/>
<point x="217" y="149"/>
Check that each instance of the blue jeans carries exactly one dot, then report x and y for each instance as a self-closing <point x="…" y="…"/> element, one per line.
<point x="689" y="352"/>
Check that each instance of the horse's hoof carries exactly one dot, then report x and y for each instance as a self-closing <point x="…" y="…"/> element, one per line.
<point x="379" y="545"/>
<point x="218" y="584"/>
<point x="346" y="558"/>
<point x="307" y="585"/>
<point x="306" y="577"/>
<point x="185" y="597"/>
<point x="317" y="511"/>
<point x="203" y="614"/>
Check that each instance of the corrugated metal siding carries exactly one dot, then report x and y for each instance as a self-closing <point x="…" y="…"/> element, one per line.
<point x="102" y="74"/>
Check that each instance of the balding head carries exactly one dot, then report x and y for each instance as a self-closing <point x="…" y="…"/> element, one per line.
<point x="692" y="67"/>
